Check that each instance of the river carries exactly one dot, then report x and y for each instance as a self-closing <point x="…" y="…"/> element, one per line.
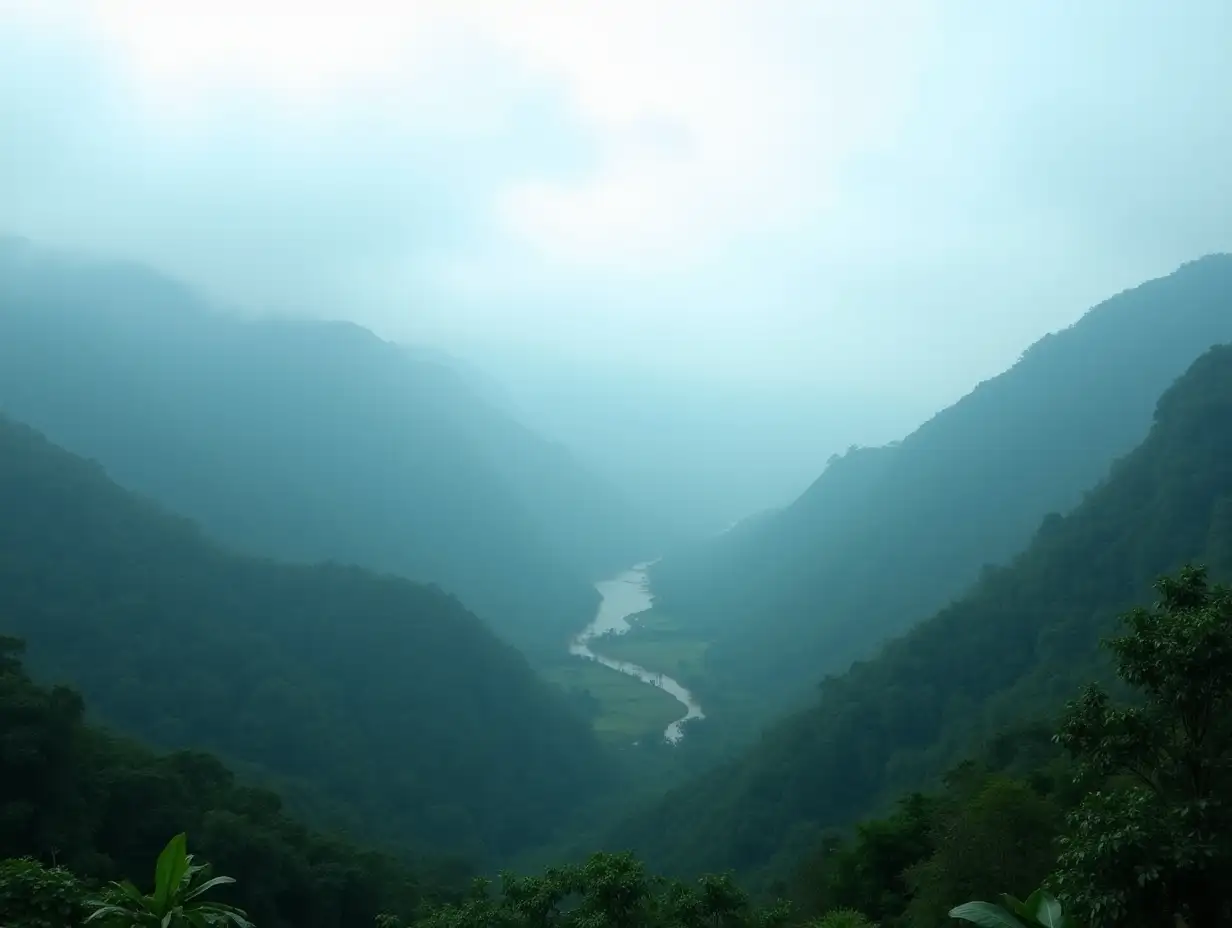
<point x="625" y="595"/>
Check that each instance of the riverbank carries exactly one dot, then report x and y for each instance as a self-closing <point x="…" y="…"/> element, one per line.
<point x="623" y="597"/>
<point x="622" y="709"/>
<point x="657" y="640"/>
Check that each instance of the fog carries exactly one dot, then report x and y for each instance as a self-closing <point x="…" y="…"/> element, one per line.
<point x="705" y="244"/>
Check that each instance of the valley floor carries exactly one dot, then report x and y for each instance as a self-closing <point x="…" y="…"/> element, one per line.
<point x="622" y="708"/>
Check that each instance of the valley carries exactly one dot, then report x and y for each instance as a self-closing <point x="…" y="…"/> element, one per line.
<point x="624" y="597"/>
<point x="794" y="701"/>
<point x="307" y="600"/>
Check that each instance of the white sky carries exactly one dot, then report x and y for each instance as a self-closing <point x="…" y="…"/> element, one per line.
<point x="892" y="196"/>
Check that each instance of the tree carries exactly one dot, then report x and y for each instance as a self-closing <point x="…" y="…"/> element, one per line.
<point x="1002" y="837"/>
<point x="1153" y="841"/>
<point x="176" y="901"/>
<point x="608" y="891"/>
<point x="868" y="873"/>
<point x="842" y="918"/>
<point x="34" y="896"/>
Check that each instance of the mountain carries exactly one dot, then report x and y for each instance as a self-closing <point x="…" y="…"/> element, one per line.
<point x="104" y="806"/>
<point x="309" y="441"/>
<point x="888" y="535"/>
<point x="1021" y="641"/>
<point x="388" y="700"/>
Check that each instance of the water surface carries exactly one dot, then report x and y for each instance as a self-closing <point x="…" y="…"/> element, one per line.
<point x="626" y="595"/>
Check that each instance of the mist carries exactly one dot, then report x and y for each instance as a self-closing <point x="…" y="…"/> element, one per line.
<point x="704" y="247"/>
<point x="706" y="460"/>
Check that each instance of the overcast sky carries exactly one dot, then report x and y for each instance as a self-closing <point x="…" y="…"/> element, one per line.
<point x="895" y="196"/>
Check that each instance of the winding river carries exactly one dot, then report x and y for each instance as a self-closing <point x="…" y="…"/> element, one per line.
<point x="625" y="595"/>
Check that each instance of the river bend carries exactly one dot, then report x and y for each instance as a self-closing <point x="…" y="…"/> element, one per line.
<point x="626" y="595"/>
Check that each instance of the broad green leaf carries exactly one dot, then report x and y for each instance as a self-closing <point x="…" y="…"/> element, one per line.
<point x="172" y="864"/>
<point x="1047" y="910"/>
<point x="986" y="915"/>
<point x="131" y="891"/>
<point x="233" y="915"/>
<point x="1028" y="907"/>
<point x="227" y="912"/>
<point x="207" y="885"/>
<point x="1024" y="910"/>
<point x="107" y="911"/>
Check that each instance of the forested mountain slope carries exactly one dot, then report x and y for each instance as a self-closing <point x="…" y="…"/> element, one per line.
<point x="103" y="805"/>
<point x="1016" y="645"/>
<point x="308" y="441"/>
<point x="386" y="697"/>
<point x="887" y="536"/>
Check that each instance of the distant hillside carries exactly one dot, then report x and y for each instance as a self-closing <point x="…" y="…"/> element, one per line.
<point x="886" y="536"/>
<point x="309" y="441"/>
<point x="386" y="698"/>
<point x="1018" y="644"/>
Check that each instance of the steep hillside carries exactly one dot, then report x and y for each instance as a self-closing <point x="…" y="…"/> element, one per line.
<point x="1020" y="642"/>
<point x="308" y="441"/>
<point x="386" y="698"/>
<point x="105" y="806"/>
<point x="887" y="536"/>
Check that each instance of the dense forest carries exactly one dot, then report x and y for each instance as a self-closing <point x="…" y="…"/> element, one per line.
<point x="391" y="705"/>
<point x="310" y="441"/>
<point x="791" y="596"/>
<point x="1123" y="814"/>
<point x="103" y="806"/>
<point x="1015" y="647"/>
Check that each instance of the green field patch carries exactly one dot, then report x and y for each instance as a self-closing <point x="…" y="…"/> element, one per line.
<point x="658" y="643"/>
<point x="622" y="708"/>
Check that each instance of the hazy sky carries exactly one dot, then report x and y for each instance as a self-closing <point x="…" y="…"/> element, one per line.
<point x="894" y="196"/>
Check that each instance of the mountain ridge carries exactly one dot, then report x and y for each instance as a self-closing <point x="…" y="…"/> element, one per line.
<point x="389" y="698"/>
<point x="799" y="595"/>
<point x="309" y="441"/>
<point x="1011" y="650"/>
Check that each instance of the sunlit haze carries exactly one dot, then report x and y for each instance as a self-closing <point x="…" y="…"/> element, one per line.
<point x="873" y="203"/>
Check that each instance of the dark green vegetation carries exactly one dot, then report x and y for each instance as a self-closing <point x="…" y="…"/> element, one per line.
<point x="1017" y="645"/>
<point x="1129" y="826"/>
<point x="309" y="441"/>
<point x="1137" y="807"/>
<point x="385" y="698"/>
<point x="103" y="807"/>
<point x="887" y="536"/>
<point x="608" y="891"/>
<point x="621" y="709"/>
<point x="1155" y="837"/>
<point x="178" y="898"/>
<point x="657" y="640"/>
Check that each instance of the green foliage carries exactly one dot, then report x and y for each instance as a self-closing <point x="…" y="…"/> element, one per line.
<point x="104" y="807"/>
<point x="842" y="918"/>
<point x="1156" y="840"/>
<point x="1039" y="910"/>
<point x="1004" y="835"/>
<point x="1014" y="648"/>
<point x="986" y="831"/>
<point x="34" y="896"/>
<point x="868" y="872"/>
<point x="1146" y="838"/>
<point x="376" y="704"/>
<point x="608" y="891"/>
<point x="176" y="902"/>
